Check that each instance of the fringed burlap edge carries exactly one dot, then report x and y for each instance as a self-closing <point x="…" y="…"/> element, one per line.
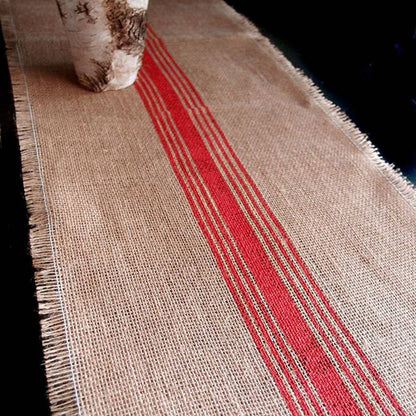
<point x="337" y="116"/>
<point x="59" y="372"/>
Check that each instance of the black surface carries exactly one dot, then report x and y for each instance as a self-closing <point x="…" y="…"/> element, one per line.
<point x="362" y="60"/>
<point x="24" y="375"/>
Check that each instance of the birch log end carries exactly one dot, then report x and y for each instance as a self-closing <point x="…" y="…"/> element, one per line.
<point x="106" y="39"/>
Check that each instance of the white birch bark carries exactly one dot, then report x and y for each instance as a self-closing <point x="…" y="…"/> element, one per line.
<point x="106" y="39"/>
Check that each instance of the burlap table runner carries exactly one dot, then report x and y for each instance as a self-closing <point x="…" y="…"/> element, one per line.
<point x="217" y="239"/>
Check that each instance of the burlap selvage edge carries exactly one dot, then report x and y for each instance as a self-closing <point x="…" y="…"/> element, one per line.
<point x="337" y="116"/>
<point x="62" y="392"/>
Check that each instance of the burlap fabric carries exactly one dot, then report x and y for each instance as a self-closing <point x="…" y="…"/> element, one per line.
<point x="217" y="239"/>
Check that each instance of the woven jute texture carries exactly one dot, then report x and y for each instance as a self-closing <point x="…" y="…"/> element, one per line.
<point x="217" y="239"/>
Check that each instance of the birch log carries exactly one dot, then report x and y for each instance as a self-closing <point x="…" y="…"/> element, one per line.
<point x="106" y="39"/>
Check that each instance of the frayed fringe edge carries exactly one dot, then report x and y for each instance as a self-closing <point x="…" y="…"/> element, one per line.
<point x="393" y="175"/>
<point x="59" y="374"/>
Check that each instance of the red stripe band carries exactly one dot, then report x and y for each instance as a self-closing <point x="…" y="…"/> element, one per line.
<point x="317" y="366"/>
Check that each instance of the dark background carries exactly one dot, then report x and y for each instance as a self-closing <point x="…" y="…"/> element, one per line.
<point x="363" y="60"/>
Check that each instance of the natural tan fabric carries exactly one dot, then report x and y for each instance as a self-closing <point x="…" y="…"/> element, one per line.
<point x="138" y="317"/>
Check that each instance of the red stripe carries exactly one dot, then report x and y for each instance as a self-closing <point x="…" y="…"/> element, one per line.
<point x="273" y="328"/>
<point x="246" y="298"/>
<point x="187" y="186"/>
<point x="296" y="329"/>
<point x="297" y="332"/>
<point x="193" y="101"/>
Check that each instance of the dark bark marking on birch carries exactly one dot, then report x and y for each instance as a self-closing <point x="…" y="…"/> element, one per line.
<point x="60" y="10"/>
<point x="127" y="26"/>
<point x="100" y="79"/>
<point x="84" y="8"/>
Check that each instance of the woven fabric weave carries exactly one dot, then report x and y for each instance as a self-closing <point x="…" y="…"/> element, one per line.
<point x="217" y="239"/>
